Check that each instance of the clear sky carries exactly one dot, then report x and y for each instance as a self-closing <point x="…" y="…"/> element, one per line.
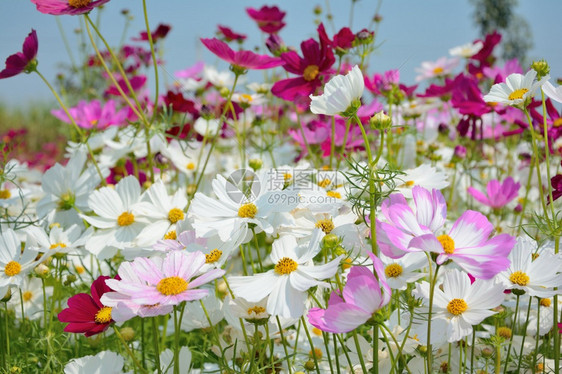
<point x="412" y="31"/>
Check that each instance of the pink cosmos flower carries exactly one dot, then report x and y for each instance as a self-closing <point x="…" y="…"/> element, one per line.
<point x="160" y="33"/>
<point x="498" y="194"/>
<point x="94" y="114"/>
<point x="22" y="61"/>
<point x="362" y="297"/>
<point x="468" y="245"/>
<point x="242" y="59"/>
<point x="230" y="35"/>
<point x="439" y="68"/>
<point x="269" y="19"/>
<point x="167" y="281"/>
<point x="72" y="7"/>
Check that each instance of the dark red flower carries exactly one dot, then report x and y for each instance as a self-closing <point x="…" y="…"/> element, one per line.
<point x="160" y="33"/>
<point x="86" y="314"/>
<point x="342" y="41"/>
<point x="230" y="35"/>
<point x="556" y="183"/>
<point x="316" y="62"/>
<point x="484" y="57"/>
<point x="22" y="61"/>
<point x="269" y="19"/>
<point x="137" y="82"/>
<point x="242" y="59"/>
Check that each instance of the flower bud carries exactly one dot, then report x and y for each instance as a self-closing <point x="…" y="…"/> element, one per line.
<point x="460" y="151"/>
<point x="255" y="163"/>
<point x="42" y="270"/>
<point x="380" y="121"/>
<point x="541" y="67"/>
<point x="504" y="332"/>
<point x="330" y="241"/>
<point x="127" y="333"/>
<point x="487" y="352"/>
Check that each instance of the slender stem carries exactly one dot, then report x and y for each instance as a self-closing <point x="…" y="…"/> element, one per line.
<point x="547" y="154"/>
<point x="556" y="317"/>
<point x="154" y="60"/>
<point x="155" y="336"/>
<point x="333" y="141"/>
<point x="78" y="129"/>
<point x="359" y="353"/>
<point x="431" y="294"/>
<point x="176" y="341"/>
<point x="284" y="345"/>
<point x="311" y="345"/>
<point x="538" y="334"/>
<point x="472" y="351"/>
<point x="524" y="336"/>
<point x="512" y="334"/>
<point x="130" y="353"/>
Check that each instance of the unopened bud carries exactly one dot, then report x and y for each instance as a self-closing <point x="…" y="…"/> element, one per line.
<point x="330" y="241"/>
<point x="380" y="121"/>
<point x="487" y="352"/>
<point x="309" y="365"/>
<point x="504" y="332"/>
<point x="42" y="270"/>
<point x="127" y="333"/>
<point x="255" y="163"/>
<point x="541" y="67"/>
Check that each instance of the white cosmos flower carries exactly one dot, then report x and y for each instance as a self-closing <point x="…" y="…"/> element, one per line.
<point x="536" y="277"/>
<point x="517" y="89"/>
<point x="57" y="240"/>
<point x="14" y="264"/>
<point x="466" y="50"/>
<point x="339" y="93"/>
<point x="400" y="272"/>
<point x="207" y="127"/>
<point x="106" y="362"/>
<point x="462" y="304"/>
<point x="119" y="217"/>
<point x="425" y="176"/>
<point x="167" y="361"/>
<point x="287" y="283"/>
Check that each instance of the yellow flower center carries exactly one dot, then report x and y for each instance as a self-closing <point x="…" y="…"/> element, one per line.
<point x="256" y="310"/>
<point x="66" y="201"/>
<point x="557" y="122"/>
<point x="171" y="235"/>
<point x="57" y="245"/>
<point x="346" y="264"/>
<point x="448" y="244"/>
<point x="287" y="176"/>
<point x="12" y="268"/>
<point x="438" y="70"/>
<point x="125" y="219"/>
<point x="213" y="256"/>
<point x="79" y="269"/>
<point x="324" y="183"/>
<point x="519" y="278"/>
<point x="175" y="215"/>
<point x="247" y="98"/>
<point x="409" y="183"/>
<point x="172" y="286"/>
<point x="190" y="166"/>
<point x="79" y="3"/>
<point x="393" y="270"/>
<point x="103" y="315"/>
<point x="316" y="331"/>
<point x="334" y="194"/>
<point x="5" y="194"/>
<point x="285" y="266"/>
<point x="325" y="225"/>
<point x="545" y="302"/>
<point x="539" y="368"/>
<point x="315" y="352"/>
<point x="457" y="306"/>
<point x="518" y="94"/>
<point x="504" y="332"/>
<point x="310" y="73"/>
<point x="27" y="295"/>
<point x="444" y="367"/>
<point x="247" y="211"/>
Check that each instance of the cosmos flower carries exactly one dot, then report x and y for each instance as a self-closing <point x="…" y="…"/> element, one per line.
<point x="555" y="93"/>
<point x="240" y="59"/>
<point x="86" y="313"/>
<point x="439" y="68"/>
<point x="230" y="35"/>
<point x="497" y="194"/>
<point x="71" y="7"/>
<point x="15" y="264"/>
<point x="160" y="33"/>
<point x="269" y="19"/>
<point x="362" y="297"/>
<point x="339" y="93"/>
<point x="22" y="61"/>
<point x="517" y="90"/>
<point x="167" y="281"/>
<point x="94" y="114"/>
<point x="316" y="62"/>
<point x="461" y="303"/>
<point x="106" y="362"/>
<point x="286" y="284"/>
<point x="466" y="50"/>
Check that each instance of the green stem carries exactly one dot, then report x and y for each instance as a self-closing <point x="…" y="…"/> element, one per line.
<point x="556" y="319"/>
<point x="524" y="336"/>
<point x="130" y="353"/>
<point x="359" y="353"/>
<point x="155" y="336"/>
<point x="154" y="61"/>
<point x="512" y="334"/>
<point x="538" y="334"/>
<point x="312" y="345"/>
<point x="433" y="282"/>
<point x="78" y="129"/>
<point x="284" y="345"/>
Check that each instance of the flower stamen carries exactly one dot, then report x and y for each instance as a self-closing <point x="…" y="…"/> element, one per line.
<point x="172" y="286"/>
<point x="247" y="211"/>
<point x="12" y="268"/>
<point x="457" y="306"/>
<point x="518" y="94"/>
<point x="448" y="244"/>
<point x="286" y="266"/>
<point x="125" y="219"/>
<point x="393" y="270"/>
<point x="103" y="315"/>
<point x="519" y="278"/>
<point x="175" y="215"/>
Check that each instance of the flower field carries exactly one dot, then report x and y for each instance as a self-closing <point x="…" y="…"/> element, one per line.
<point x="298" y="212"/>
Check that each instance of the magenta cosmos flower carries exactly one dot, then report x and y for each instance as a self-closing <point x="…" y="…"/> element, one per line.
<point x="498" y="194"/>
<point x="22" y="61"/>
<point x="94" y="114"/>
<point x="269" y="19"/>
<point x="230" y="35"/>
<point x="362" y="297"/>
<point x="165" y="281"/>
<point x="72" y="7"/>
<point x="86" y="314"/>
<point x="316" y="62"/>
<point x="241" y="59"/>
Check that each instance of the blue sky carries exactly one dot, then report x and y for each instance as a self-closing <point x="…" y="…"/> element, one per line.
<point x="412" y="31"/>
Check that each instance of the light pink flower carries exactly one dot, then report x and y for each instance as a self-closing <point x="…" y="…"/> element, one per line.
<point x="498" y="194"/>
<point x="362" y="297"/>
